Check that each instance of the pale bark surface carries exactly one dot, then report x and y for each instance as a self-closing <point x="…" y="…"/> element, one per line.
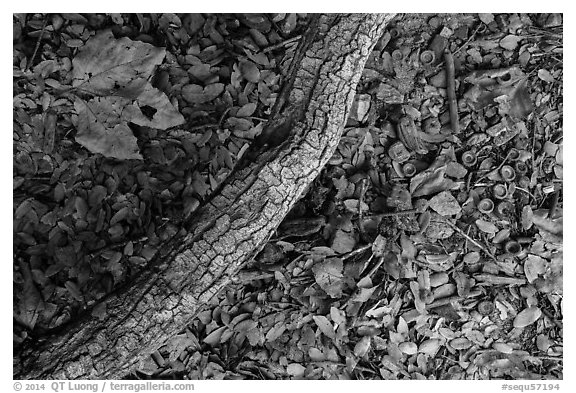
<point x="233" y="226"/>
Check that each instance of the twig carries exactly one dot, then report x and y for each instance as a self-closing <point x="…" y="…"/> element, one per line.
<point x="203" y="126"/>
<point x="392" y="214"/>
<point x="494" y="170"/>
<point x="357" y="251"/>
<point x="360" y="201"/>
<point x="37" y="44"/>
<point x="469" y="39"/>
<point x="481" y="246"/>
<point x="527" y="192"/>
<point x="223" y="116"/>
<point x="282" y="44"/>
<point x="375" y="267"/>
<point x="451" y="91"/>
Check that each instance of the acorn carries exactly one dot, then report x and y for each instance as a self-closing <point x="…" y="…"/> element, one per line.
<point x="469" y="158"/>
<point x="499" y="191"/>
<point x="398" y="152"/>
<point x="513" y="247"/>
<point x="485" y="206"/>
<point x="507" y="172"/>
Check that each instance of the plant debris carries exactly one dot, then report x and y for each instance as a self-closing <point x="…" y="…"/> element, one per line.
<point x="430" y="247"/>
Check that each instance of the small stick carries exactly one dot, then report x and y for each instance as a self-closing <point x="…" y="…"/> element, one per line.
<point x="493" y="170"/>
<point x="203" y="126"/>
<point x="281" y="44"/>
<point x="451" y="91"/>
<point x="392" y="214"/>
<point x="469" y="39"/>
<point x="357" y="251"/>
<point x="360" y="200"/>
<point x="461" y="232"/>
<point x="37" y="44"/>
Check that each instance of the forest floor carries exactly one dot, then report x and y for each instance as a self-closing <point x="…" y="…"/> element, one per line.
<point x="430" y="247"/>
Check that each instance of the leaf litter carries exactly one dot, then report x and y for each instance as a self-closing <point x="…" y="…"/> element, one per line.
<point x="386" y="269"/>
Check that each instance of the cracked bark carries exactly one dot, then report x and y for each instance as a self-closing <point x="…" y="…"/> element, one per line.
<point x="233" y="226"/>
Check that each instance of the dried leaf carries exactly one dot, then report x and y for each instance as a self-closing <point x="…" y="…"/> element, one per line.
<point x="249" y="71"/>
<point x="527" y="215"/>
<point x="527" y="317"/>
<point x="343" y="242"/>
<point x="338" y="316"/>
<point x="534" y="266"/>
<point x="246" y="110"/>
<point x="430" y="182"/>
<point x="107" y="66"/>
<point x="510" y="42"/>
<point x="361" y="348"/>
<point x="196" y="94"/>
<point x="100" y="129"/>
<point x="408" y="347"/>
<point x="152" y="108"/>
<point x="213" y="339"/>
<point x="275" y="332"/>
<point x="328" y="274"/>
<point x="295" y="369"/>
<point x="445" y="204"/>
<point x="486" y="226"/>
<point x="325" y="326"/>
<point x="429" y="347"/>
<point x="546" y="76"/>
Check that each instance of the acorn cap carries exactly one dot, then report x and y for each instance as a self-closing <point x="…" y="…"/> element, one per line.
<point x="469" y="158"/>
<point x="486" y="206"/>
<point x="513" y="154"/>
<point x="504" y="208"/>
<point x="427" y="57"/>
<point x="397" y="55"/>
<point x="513" y="247"/>
<point x="394" y="32"/>
<point x="508" y="173"/>
<point x="408" y="169"/>
<point x="499" y="191"/>
<point x="520" y="168"/>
